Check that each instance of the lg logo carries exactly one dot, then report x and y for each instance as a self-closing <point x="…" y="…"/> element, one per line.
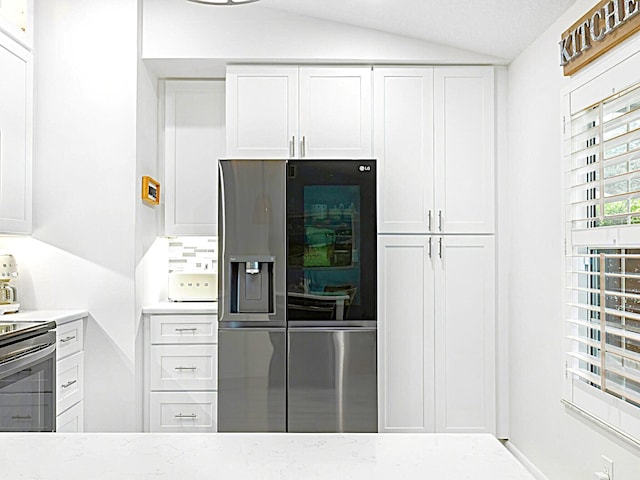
<point x="365" y="168"/>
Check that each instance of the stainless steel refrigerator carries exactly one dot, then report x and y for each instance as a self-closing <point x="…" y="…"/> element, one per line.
<point x="297" y="301"/>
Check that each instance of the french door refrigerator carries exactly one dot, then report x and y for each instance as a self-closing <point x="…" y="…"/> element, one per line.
<point x="297" y="300"/>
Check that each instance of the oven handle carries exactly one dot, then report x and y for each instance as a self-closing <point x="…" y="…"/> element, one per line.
<point x="29" y="359"/>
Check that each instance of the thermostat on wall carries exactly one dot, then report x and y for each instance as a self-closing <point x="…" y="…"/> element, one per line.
<point x="150" y="191"/>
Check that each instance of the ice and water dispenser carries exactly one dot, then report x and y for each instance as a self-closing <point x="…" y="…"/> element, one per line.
<point x="252" y="284"/>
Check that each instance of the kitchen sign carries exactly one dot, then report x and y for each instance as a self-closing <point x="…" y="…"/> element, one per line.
<point x="602" y="28"/>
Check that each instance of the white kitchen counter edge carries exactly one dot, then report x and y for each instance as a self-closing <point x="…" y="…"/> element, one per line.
<point x="133" y="456"/>
<point x="59" y="316"/>
<point x="176" y="308"/>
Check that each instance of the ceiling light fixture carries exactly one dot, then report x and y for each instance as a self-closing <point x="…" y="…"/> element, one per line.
<point x="223" y="2"/>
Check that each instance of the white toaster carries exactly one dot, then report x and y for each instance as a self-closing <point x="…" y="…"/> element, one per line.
<point x="193" y="287"/>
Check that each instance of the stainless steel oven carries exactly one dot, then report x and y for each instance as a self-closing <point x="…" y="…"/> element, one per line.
<point x="27" y="377"/>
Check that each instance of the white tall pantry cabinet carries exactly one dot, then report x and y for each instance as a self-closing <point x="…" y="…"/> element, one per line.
<point x="434" y="142"/>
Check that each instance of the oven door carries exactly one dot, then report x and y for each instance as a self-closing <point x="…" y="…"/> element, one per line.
<point x="27" y="385"/>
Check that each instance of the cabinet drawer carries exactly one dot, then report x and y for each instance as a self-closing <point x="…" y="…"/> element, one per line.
<point x="69" y="339"/>
<point x="71" y="420"/>
<point x="183" y="412"/>
<point x="70" y="381"/>
<point x="184" y="367"/>
<point x="184" y="329"/>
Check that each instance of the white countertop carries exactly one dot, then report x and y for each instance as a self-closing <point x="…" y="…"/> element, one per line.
<point x="177" y="308"/>
<point x="139" y="456"/>
<point x="58" y="316"/>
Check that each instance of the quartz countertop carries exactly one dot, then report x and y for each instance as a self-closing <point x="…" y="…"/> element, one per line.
<point x="59" y="316"/>
<point x="176" y="308"/>
<point x="137" y="456"/>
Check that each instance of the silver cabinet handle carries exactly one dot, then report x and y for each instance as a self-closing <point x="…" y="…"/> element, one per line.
<point x="191" y="415"/>
<point x="303" y="147"/>
<point x="69" y="383"/>
<point x="67" y="339"/>
<point x="192" y="329"/>
<point x="429" y="247"/>
<point x="429" y="219"/>
<point x="440" y="247"/>
<point x="185" y="368"/>
<point x="292" y="147"/>
<point x="440" y="220"/>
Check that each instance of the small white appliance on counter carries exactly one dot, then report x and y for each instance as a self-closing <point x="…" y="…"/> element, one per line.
<point x="8" y="270"/>
<point x="193" y="287"/>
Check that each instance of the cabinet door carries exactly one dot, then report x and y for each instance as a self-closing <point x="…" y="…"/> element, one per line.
<point x="403" y="147"/>
<point x="194" y="141"/>
<point x="464" y="149"/>
<point x="262" y="111"/>
<point x="335" y="112"/>
<point x="15" y="138"/>
<point x="405" y="334"/>
<point x="465" y="334"/>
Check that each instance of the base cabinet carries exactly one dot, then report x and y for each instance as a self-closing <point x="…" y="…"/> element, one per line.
<point x="181" y="373"/>
<point x="70" y="377"/>
<point x="436" y="333"/>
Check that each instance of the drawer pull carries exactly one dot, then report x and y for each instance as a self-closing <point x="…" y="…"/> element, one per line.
<point x="185" y="368"/>
<point x="69" y="383"/>
<point x="67" y="339"/>
<point x="21" y="417"/>
<point x="191" y="415"/>
<point x="191" y="329"/>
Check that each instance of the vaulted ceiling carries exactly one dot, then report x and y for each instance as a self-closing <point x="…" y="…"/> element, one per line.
<point x="501" y="28"/>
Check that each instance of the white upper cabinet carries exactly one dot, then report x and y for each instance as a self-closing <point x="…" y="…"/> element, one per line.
<point x="403" y="147"/>
<point x="262" y="111"/>
<point x="194" y="141"/>
<point x="434" y="142"/>
<point x="335" y="112"/>
<point x="16" y="127"/>
<point x="464" y="149"/>
<point x="298" y="112"/>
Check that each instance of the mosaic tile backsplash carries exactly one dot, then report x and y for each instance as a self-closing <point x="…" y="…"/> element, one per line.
<point x="193" y="254"/>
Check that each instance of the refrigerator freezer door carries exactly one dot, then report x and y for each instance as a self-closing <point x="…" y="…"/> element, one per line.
<point x="332" y="380"/>
<point x="251" y="380"/>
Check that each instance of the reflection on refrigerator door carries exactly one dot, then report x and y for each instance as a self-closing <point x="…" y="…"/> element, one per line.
<point x="332" y="380"/>
<point x="252" y="382"/>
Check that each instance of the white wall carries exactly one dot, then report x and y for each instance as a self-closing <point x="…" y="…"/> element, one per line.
<point x="81" y="254"/>
<point x="197" y="40"/>
<point x="561" y="445"/>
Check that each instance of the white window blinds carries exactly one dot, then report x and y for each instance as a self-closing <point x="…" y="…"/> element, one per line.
<point x="603" y="277"/>
<point x="605" y="162"/>
<point x="604" y="324"/>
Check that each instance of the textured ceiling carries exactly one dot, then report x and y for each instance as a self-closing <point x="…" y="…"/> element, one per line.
<point x="501" y="28"/>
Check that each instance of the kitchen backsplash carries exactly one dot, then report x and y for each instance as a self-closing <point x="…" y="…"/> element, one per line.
<point x="193" y="254"/>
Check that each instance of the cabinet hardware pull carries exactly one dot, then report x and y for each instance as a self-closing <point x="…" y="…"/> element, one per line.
<point x="292" y="147"/>
<point x="440" y="220"/>
<point x="191" y="415"/>
<point x="21" y="417"/>
<point x="67" y="339"/>
<point x="303" y="147"/>
<point x="192" y="329"/>
<point x="185" y="368"/>
<point x="68" y="384"/>
<point x="429" y="217"/>
<point x="440" y="247"/>
<point x="429" y="247"/>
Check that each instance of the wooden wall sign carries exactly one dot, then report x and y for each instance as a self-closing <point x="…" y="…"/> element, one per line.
<point x="602" y="28"/>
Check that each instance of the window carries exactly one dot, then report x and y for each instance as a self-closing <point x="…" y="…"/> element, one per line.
<point x="603" y="254"/>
